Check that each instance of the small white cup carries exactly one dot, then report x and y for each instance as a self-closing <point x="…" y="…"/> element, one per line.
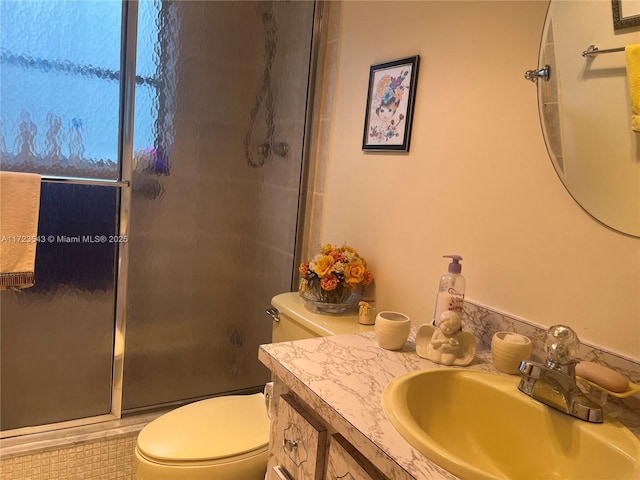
<point x="507" y="354"/>
<point x="392" y="329"/>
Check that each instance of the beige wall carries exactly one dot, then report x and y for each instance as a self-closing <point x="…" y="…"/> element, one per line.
<point x="478" y="181"/>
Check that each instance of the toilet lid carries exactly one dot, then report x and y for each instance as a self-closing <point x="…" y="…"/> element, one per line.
<point x="208" y="430"/>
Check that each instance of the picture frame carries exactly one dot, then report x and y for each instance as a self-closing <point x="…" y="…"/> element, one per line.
<point x="626" y="13"/>
<point x="390" y="104"/>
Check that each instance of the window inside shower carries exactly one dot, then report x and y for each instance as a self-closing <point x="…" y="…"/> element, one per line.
<point x="161" y="162"/>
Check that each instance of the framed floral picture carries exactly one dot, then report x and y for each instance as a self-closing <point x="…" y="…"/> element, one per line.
<point x="390" y="102"/>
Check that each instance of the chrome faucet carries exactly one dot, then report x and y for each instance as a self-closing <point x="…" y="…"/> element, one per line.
<point x="554" y="383"/>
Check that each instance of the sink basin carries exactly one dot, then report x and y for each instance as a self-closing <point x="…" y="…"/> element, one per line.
<point x="477" y="425"/>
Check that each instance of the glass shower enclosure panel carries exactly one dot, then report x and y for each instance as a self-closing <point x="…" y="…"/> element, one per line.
<point x="57" y="337"/>
<point x="60" y="87"/>
<point x="59" y="106"/>
<point x="215" y="191"/>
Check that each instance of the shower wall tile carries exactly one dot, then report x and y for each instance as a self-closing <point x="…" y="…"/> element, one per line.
<point x="333" y="21"/>
<point x="264" y="283"/>
<point x="328" y="74"/>
<point x="290" y="75"/>
<point x="223" y="23"/>
<point x="221" y="144"/>
<point x="249" y="19"/>
<point x="276" y="222"/>
<point x="294" y="29"/>
<point x="220" y="90"/>
<point x="110" y="459"/>
<point x="324" y="101"/>
<point x="314" y="227"/>
<point x="551" y="105"/>
<point x="324" y="136"/>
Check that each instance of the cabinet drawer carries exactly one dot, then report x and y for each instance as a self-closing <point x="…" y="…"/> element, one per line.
<point x="345" y="462"/>
<point x="297" y="443"/>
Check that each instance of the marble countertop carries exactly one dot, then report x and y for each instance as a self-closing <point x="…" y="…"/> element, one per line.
<point x="342" y="378"/>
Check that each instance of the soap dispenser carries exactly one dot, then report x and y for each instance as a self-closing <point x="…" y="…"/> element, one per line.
<point x="451" y="290"/>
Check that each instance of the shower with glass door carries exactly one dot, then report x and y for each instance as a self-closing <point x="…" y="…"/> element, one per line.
<point x="175" y="130"/>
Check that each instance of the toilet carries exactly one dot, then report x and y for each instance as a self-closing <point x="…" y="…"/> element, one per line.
<point x="221" y="438"/>
<point x="227" y="438"/>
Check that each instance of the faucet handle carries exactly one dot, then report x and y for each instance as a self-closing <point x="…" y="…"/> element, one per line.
<point x="561" y="345"/>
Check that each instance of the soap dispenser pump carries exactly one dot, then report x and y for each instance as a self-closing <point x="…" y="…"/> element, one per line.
<point x="451" y="290"/>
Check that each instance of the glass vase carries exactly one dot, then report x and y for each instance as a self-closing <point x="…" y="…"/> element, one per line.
<point x="338" y="301"/>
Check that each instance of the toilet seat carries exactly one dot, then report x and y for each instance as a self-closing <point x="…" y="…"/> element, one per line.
<point x="207" y="432"/>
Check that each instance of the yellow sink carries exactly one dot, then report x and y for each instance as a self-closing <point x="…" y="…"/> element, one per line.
<point x="478" y="425"/>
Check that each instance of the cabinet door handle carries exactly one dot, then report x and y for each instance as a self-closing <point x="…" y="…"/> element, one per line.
<point x="289" y="445"/>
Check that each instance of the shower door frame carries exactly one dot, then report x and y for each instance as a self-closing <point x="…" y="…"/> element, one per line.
<point x="127" y="102"/>
<point x="128" y="53"/>
<point x="128" y="47"/>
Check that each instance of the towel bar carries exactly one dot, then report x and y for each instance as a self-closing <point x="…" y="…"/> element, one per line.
<point x="594" y="51"/>
<point x="86" y="181"/>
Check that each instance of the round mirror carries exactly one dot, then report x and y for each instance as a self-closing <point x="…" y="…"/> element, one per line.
<point x="585" y="108"/>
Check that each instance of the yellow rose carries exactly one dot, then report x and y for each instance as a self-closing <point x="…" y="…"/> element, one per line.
<point x="354" y="273"/>
<point x="324" y="265"/>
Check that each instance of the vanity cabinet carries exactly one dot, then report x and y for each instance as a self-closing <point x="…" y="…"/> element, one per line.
<point x="302" y="447"/>
<point x="345" y="462"/>
<point x="297" y="443"/>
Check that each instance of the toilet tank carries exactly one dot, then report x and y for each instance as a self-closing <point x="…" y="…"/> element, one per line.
<point x="295" y="322"/>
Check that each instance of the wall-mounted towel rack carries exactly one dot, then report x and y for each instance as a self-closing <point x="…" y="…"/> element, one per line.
<point x="594" y="51"/>
<point x="86" y="181"/>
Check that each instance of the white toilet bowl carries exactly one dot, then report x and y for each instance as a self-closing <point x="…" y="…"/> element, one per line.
<point x="223" y="438"/>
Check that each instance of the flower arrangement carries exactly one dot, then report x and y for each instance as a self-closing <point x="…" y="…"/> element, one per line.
<point x="334" y="273"/>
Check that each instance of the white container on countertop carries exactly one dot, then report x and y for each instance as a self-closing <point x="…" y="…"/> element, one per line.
<point x="392" y="329"/>
<point x="451" y="290"/>
<point x="508" y="350"/>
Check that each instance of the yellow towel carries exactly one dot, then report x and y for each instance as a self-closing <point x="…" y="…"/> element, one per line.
<point x="19" y="211"/>
<point x="633" y="77"/>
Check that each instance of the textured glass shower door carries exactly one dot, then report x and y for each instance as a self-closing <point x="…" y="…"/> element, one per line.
<point x="214" y="195"/>
<point x="60" y="113"/>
